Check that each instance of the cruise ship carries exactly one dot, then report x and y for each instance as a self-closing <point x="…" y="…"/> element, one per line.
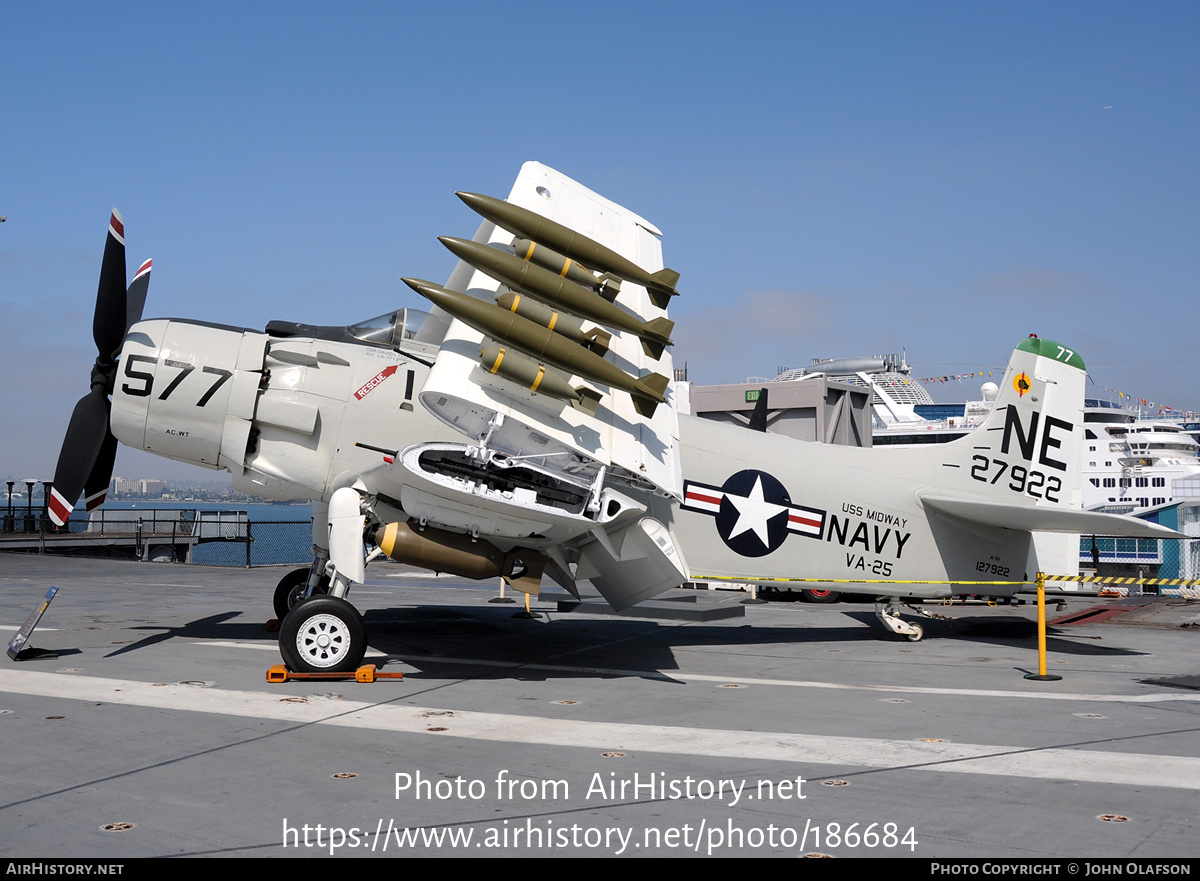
<point x="1132" y="464"/>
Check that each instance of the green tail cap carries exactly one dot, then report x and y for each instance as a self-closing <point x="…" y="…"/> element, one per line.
<point x="1052" y="350"/>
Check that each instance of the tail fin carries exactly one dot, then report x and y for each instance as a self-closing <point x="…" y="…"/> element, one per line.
<point x="656" y="335"/>
<point x="662" y="292"/>
<point x="610" y="286"/>
<point x="758" y="418"/>
<point x="588" y="400"/>
<point x="1030" y="447"/>
<point x="1020" y="470"/>
<point x="652" y="388"/>
<point x="600" y="340"/>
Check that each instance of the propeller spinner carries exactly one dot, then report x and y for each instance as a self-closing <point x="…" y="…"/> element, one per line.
<point x="89" y="449"/>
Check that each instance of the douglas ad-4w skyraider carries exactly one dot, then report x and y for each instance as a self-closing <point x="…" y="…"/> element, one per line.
<point x="525" y="428"/>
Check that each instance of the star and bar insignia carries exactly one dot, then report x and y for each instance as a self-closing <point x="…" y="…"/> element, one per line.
<point x="753" y="512"/>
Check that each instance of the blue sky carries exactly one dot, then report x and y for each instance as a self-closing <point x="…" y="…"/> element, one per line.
<point x="832" y="179"/>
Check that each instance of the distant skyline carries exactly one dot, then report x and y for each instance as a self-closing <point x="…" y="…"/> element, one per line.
<point x="832" y="180"/>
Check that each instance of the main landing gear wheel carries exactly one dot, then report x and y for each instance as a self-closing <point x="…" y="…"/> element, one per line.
<point x="323" y="635"/>
<point x="917" y="632"/>
<point x="820" y="596"/>
<point x="290" y="591"/>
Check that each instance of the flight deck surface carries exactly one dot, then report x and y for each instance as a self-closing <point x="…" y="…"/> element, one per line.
<point x="796" y="729"/>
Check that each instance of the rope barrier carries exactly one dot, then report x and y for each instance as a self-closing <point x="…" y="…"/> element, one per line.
<point x="1092" y="579"/>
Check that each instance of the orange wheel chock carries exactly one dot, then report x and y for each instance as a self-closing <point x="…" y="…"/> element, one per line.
<point x="365" y="673"/>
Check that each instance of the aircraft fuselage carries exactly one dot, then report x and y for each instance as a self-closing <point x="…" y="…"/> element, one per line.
<point x="299" y="417"/>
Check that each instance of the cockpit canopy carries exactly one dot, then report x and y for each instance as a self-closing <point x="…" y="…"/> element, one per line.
<point x="391" y="328"/>
<point x="401" y="329"/>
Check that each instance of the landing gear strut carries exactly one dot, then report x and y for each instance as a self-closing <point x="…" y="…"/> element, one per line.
<point x="887" y="610"/>
<point x="293" y="590"/>
<point x="320" y="632"/>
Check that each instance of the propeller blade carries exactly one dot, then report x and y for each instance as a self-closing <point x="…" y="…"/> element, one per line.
<point x="95" y="489"/>
<point x="89" y="450"/>
<point x="81" y="447"/>
<point x="108" y="324"/>
<point x="135" y="297"/>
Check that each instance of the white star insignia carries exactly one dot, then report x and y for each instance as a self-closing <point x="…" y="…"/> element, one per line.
<point x="754" y="512"/>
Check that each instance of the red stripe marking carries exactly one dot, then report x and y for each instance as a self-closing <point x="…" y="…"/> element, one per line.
<point x="114" y="224"/>
<point x="94" y="502"/>
<point x="693" y="495"/>
<point x="144" y="268"/>
<point x="59" y="509"/>
<point x="803" y="520"/>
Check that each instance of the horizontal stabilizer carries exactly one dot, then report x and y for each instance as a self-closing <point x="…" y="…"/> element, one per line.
<point x="1032" y="518"/>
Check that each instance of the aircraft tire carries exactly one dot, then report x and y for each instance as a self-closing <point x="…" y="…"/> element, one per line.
<point x="916" y="637"/>
<point x="323" y="635"/>
<point x="820" y="596"/>
<point x="290" y="591"/>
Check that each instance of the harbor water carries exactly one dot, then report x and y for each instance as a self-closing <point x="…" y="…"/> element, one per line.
<point x="272" y="535"/>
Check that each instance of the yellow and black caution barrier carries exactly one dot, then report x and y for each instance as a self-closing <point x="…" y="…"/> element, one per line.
<point x="1092" y="579"/>
<point x="1039" y="583"/>
<point x="745" y="579"/>
<point x="1122" y="582"/>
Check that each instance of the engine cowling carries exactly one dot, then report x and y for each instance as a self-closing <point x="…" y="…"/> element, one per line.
<point x="187" y="391"/>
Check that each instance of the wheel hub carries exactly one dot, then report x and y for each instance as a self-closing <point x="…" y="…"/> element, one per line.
<point x="323" y="640"/>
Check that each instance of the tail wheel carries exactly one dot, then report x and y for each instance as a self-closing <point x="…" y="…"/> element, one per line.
<point x="323" y="635"/>
<point x="291" y="589"/>
<point x="820" y="596"/>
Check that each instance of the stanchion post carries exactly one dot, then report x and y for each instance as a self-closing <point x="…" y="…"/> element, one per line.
<point x="1041" y="674"/>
